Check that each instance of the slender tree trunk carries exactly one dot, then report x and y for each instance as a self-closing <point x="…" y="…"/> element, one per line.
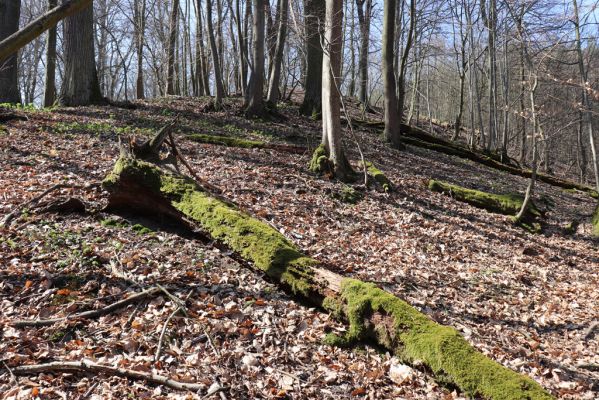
<point x="218" y="80"/>
<point x="80" y="84"/>
<point x="275" y="75"/>
<point x="242" y="49"/>
<point x="255" y="103"/>
<point x="50" y="79"/>
<point x="392" y="122"/>
<point x="10" y="11"/>
<point x="587" y="117"/>
<point x="314" y="21"/>
<point x="506" y="103"/>
<point x="364" y="14"/>
<point x="403" y="64"/>
<point x="140" y="28"/>
<point x="172" y="44"/>
<point x="331" y="79"/>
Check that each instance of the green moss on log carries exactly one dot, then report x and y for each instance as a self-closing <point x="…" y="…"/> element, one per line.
<point x="254" y="240"/>
<point x="378" y="176"/>
<point x="507" y="204"/>
<point x="409" y="334"/>
<point x="228" y="141"/>
<point x="415" y="337"/>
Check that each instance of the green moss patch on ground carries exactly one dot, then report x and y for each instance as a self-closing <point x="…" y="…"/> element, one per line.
<point x="228" y="141"/>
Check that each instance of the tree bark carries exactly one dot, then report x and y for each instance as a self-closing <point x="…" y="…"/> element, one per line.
<point x="275" y="75"/>
<point x="255" y="103"/>
<point x="313" y="21"/>
<point x="10" y="11"/>
<point x="80" y="85"/>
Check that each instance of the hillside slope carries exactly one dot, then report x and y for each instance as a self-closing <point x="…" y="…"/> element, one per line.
<point x="523" y="299"/>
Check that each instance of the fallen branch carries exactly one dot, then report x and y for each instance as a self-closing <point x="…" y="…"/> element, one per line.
<point x="89" y="314"/>
<point x="90" y="366"/>
<point x="372" y="313"/>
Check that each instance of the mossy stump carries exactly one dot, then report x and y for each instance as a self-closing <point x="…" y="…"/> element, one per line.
<point x="379" y="177"/>
<point x="372" y="313"/>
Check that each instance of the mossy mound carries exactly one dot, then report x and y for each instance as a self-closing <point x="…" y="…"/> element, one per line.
<point x="506" y="204"/>
<point x="228" y="141"/>
<point x="378" y="176"/>
<point x="320" y="163"/>
<point x="404" y="330"/>
<point x="595" y="222"/>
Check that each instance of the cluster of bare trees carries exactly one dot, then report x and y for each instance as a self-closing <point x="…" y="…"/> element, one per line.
<point x="513" y="77"/>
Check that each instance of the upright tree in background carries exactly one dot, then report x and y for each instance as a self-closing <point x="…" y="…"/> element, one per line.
<point x="255" y="103"/>
<point x="364" y="13"/>
<point x="275" y="73"/>
<point x="140" y="28"/>
<point x="314" y="13"/>
<point x="403" y="61"/>
<point x="172" y="44"/>
<point x="50" y="83"/>
<point x="587" y="112"/>
<point x="218" y="81"/>
<point x="392" y="117"/>
<point x="331" y="84"/>
<point x="9" y="23"/>
<point x="80" y="83"/>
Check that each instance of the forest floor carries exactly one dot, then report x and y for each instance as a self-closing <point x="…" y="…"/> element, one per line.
<point x="525" y="300"/>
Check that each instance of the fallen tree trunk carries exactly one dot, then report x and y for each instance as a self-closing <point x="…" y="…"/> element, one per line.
<point x="372" y="313"/>
<point x="19" y="39"/>
<point x="231" y="141"/>
<point x="418" y="137"/>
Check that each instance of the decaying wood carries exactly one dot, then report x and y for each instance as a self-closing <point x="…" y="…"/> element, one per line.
<point x="88" y="366"/>
<point x="372" y="313"/>
<point x="90" y="314"/>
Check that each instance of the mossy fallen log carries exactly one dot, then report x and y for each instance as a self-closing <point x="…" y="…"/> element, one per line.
<point x="417" y="137"/>
<point x="379" y="177"/>
<point x="372" y="313"/>
<point x="506" y="204"/>
<point x="231" y="141"/>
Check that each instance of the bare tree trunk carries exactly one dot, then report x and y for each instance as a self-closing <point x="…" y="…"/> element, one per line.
<point x="80" y="85"/>
<point x="140" y="27"/>
<point x="587" y="118"/>
<point x="364" y="14"/>
<point x="255" y="104"/>
<point x="392" y="122"/>
<point x="331" y="78"/>
<point x="172" y="43"/>
<point x="242" y="49"/>
<point x="314" y="21"/>
<point x="50" y="79"/>
<point x="10" y="11"/>
<point x="403" y="64"/>
<point x="218" y="80"/>
<point x="275" y="75"/>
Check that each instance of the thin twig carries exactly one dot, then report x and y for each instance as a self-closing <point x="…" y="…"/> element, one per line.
<point x="89" y="314"/>
<point x="161" y="339"/>
<point x="90" y="366"/>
